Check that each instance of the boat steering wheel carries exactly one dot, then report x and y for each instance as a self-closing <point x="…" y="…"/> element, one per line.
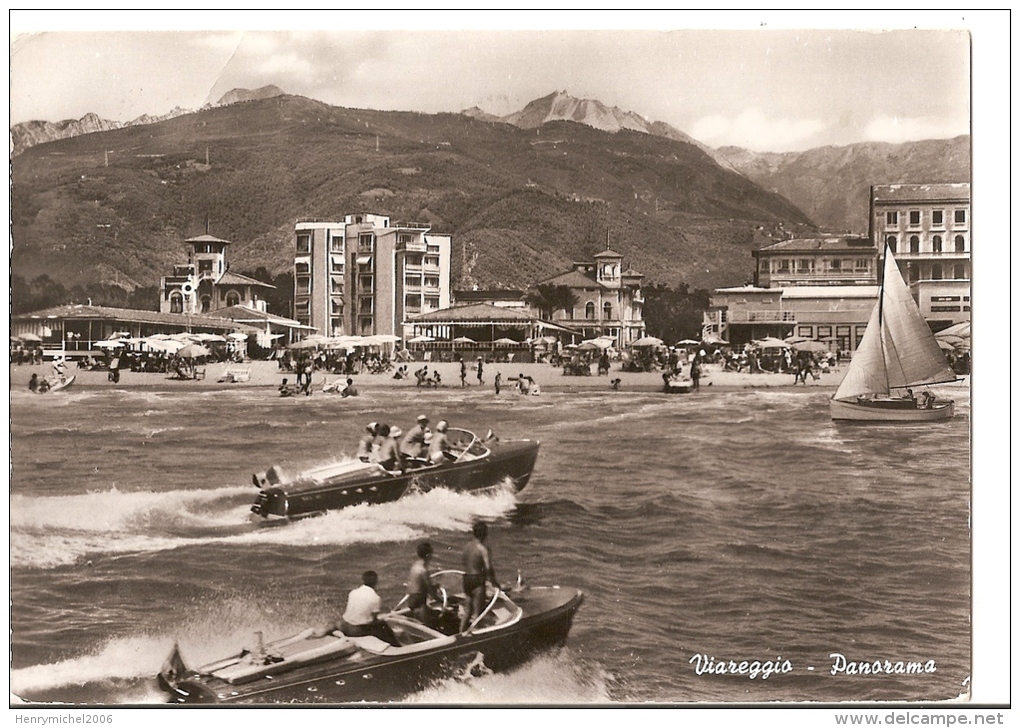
<point x="445" y="599"/>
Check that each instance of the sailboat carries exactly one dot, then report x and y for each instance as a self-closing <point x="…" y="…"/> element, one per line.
<point x="897" y="352"/>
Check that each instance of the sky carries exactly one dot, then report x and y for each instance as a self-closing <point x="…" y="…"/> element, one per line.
<point x="768" y="81"/>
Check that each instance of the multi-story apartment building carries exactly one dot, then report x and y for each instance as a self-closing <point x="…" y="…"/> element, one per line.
<point x="825" y="261"/>
<point x="364" y="275"/>
<point x="609" y="299"/>
<point x="927" y="226"/>
<point x="206" y="284"/>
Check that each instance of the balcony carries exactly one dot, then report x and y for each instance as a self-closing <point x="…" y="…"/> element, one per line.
<point x="759" y="317"/>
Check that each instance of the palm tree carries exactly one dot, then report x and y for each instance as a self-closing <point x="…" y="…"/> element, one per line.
<point x="548" y="299"/>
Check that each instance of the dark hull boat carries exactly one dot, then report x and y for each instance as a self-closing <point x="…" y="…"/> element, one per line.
<point x="340" y="669"/>
<point x="473" y="465"/>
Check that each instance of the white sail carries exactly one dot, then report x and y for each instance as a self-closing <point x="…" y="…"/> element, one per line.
<point x="912" y="354"/>
<point x="898" y="348"/>
<point x="866" y="373"/>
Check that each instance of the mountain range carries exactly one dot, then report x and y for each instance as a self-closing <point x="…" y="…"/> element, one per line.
<point x="522" y="195"/>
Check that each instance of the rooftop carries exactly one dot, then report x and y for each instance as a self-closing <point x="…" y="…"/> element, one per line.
<point x="951" y="191"/>
<point x="840" y="243"/>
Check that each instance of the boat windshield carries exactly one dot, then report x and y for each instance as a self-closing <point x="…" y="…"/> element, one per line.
<point x="466" y="444"/>
<point x="499" y="610"/>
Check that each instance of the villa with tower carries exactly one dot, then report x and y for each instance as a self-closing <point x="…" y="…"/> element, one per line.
<point x="205" y="283"/>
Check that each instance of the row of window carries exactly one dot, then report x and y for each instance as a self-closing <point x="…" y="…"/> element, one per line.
<point x="807" y="265"/>
<point x="938" y="217"/>
<point x="937" y="272"/>
<point x="937" y="245"/>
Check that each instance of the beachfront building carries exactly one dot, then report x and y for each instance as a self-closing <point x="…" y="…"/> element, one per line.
<point x="364" y="275"/>
<point x="608" y="299"/>
<point x="927" y="226"/>
<point x="835" y="260"/>
<point x="837" y="315"/>
<point x="501" y="297"/>
<point x="206" y="283"/>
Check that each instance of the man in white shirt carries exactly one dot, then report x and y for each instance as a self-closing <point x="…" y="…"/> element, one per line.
<point x="361" y="617"/>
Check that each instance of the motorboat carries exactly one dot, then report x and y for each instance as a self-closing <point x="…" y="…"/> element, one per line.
<point x="55" y="384"/>
<point x="897" y="353"/>
<point x="336" y="668"/>
<point x="472" y="465"/>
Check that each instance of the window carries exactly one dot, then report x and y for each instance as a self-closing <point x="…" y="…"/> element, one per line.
<point x="365" y="305"/>
<point x="960" y="217"/>
<point x="301" y="308"/>
<point x="412" y="302"/>
<point x="336" y="286"/>
<point x="206" y="304"/>
<point x="959" y="244"/>
<point x="176" y="303"/>
<point x="960" y="272"/>
<point x="607" y="310"/>
<point x="835" y="264"/>
<point x="915" y="244"/>
<point x="405" y="238"/>
<point x="860" y="335"/>
<point x="336" y="244"/>
<point x="337" y="307"/>
<point x="861" y="264"/>
<point x="589" y="311"/>
<point x="945" y="308"/>
<point x="824" y="332"/>
<point x="365" y="284"/>
<point x="414" y="260"/>
<point x="892" y="218"/>
<point x="936" y="244"/>
<point x="412" y="281"/>
<point x="432" y="249"/>
<point x="337" y="266"/>
<point x="913" y="274"/>
<point x="303" y="285"/>
<point x="784" y="266"/>
<point x="806" y="331"/>
<point x="432" y="260"/>
<point x="204" y="266"/>
<point x="233" y="298"/>
<point x="366" y="242"/>
<point x="304" y="243"/>
<point x="805" y="265"/>
<point x="937" y="217"/>
<point x="944" y="299"/>
<point x="432" y="281"/>
<point x="915" y="218"/>
<point x="891" y="242"/>
<point x="301" y="269"/>
<point x="431" y="303"/>
<point x="936" y="271"/>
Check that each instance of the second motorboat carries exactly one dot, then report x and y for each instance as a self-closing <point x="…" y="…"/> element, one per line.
<point x="474" y="464"/>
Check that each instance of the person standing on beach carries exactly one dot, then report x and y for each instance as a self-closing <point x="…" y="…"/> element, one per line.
<point x="696" y="373"/>
<point x="480" y="382"/>
<point x="463" y="373"/>
<point x="499" y="377"/>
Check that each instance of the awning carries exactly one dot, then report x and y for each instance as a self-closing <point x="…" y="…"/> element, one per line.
<point x="364" y="259"/>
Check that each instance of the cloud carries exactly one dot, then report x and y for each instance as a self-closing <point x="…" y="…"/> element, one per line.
<point x="906" y="129"/>
<point x="752" y="129"/>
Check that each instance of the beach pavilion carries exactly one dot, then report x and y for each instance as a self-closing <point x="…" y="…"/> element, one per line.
<point x="481" y="329"/>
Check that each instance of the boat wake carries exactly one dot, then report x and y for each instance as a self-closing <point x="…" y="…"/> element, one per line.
<point x="50" y="532"/>
<point x="551" y="679"/>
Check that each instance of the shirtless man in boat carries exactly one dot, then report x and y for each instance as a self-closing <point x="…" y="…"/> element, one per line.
<point x="419" y="584"/>
<point x="477" y="571"/>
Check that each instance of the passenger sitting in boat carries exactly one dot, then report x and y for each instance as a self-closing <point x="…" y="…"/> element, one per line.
<point x="413" y="445"/>
<point x="439" y="445"/>
<point x="910" y="395"/>
<point x="361" y="617"/>
<point x="366" y="447"/>
<point x="419" y="585"/>
<point x="927" y="400"/>
<point x="389" y="455"/>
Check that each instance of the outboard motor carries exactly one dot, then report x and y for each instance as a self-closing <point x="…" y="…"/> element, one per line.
<point x="270" y="502"/>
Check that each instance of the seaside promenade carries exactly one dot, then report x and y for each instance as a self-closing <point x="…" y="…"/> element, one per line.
<point x="549" y="378"/>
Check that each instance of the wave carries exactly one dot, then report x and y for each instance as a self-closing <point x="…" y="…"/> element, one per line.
<point x="50" y="532"/>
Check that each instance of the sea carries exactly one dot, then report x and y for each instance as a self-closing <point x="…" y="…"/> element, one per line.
<point x="734" y="546"/>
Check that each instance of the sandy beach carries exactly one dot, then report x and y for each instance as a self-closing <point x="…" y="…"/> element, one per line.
<point x="549" y="378"/>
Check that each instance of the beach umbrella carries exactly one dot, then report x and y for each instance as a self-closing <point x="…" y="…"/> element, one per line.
<point x="796" y="339"/>
<point x="464" y="340"/>
<point x="420" y="340"/>
<point x="587" y="346"/>
<point x="945" y="345"/>
<point x="601" y="342"/>
<point x="770" y="342"/>
<point x="237" y="336"/>
<point x="193" y="351"/>
<point x="687" y="342"/>
<point x="385" y="338"/>
<point x="305" y="344"/>
<point x="211" y="337"/>
<point x="505" y="342"/>
<point x="168" y="345"/>
<point x="647" y="341"/>
<point x="34" y="338"/>
<point x="813" y="346"/>
<point x="714" y="340"/>
<point x="109" y="344"/>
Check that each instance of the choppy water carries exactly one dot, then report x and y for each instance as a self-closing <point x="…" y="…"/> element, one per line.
<point x="740" y="525"/>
